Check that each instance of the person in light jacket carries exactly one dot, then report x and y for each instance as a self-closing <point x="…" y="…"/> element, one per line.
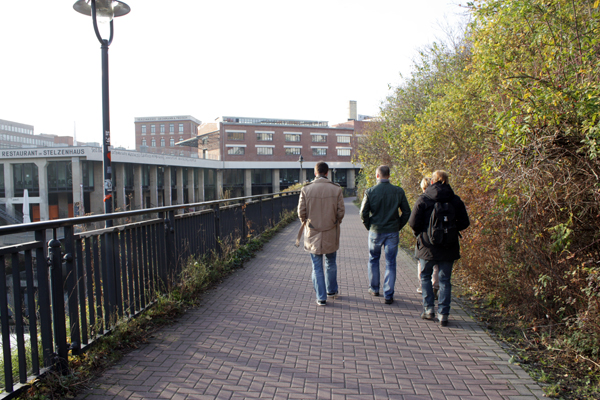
<point x="321" y="210"/>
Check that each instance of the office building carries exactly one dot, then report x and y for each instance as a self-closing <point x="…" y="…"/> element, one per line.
<point x="158" y="135"/>
<point x="178" y="160"/>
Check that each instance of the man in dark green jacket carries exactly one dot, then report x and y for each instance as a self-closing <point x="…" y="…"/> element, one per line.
<point x="379" y="214"/>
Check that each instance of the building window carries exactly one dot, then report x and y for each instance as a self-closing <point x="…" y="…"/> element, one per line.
<point x="292" y="137"/>
<point x="293" y="151"/>
<point x="288" y="177"/>
<point x="172" y="142"/>
<point x="264" y="136"/>
<point x="180" y="128"/>
<point x="236" y="151"/>
<point x="143" y="142"/>
<point x="235" y="135"/>
<point x="25" y="176"/>
<point x="262" y="177"/>
<point x="171" y="128"/>
<point x="319" y="152"/>
<point x="153" y="142"/>
<point x="162" y="142"/>
<point x="343" y="139"/>
<point x="343" y="152"/>
<point x="143" y="129"/>
<point x="264" y="151"/>
<point x="162" y="129"/>
<point x="153" y="129"/>
<point x="319" y="138"/>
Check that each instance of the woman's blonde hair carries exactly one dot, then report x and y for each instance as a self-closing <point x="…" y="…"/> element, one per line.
<point x="425" y="182"/>
<point x="439" y="176"/>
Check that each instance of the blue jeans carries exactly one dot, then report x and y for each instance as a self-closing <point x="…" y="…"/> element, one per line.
<point x="445" y="293"/>
<point x="324" y="282"/>
<point x="389" y="241"/>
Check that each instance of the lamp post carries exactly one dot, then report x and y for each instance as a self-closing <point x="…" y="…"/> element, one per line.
<point x="300" y="160"/>
<point x="103" y="11"/>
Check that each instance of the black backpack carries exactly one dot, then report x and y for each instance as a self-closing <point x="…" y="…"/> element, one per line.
<point x="442" y="225"/>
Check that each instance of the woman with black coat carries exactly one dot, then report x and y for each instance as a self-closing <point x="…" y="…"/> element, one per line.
<point x="442" y="254"/>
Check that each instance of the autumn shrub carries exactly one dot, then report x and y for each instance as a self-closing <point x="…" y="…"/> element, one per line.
<point x="537" y="63"/>
<point x="511" y="108"/>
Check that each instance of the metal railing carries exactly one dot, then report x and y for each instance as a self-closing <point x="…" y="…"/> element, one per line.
<point x="60" y="295"/>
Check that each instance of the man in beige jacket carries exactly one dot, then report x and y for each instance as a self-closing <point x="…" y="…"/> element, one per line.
<point x="321" y="210"/>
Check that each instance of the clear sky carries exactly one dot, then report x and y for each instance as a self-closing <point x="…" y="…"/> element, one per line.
<point x="262" y="58"/>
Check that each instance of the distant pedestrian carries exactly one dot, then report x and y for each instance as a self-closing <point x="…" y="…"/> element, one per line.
<point x="379" y="214"/>
<point x="321" y="210"/>
<point x="435" y="281"/>
<point x="437" y="218"/>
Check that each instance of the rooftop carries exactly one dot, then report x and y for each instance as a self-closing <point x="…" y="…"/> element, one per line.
<point x="271" y="121"/>
<point x="168" y="118"/>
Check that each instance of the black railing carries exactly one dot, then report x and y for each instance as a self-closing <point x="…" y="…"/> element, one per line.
<point x="71" y="285"/>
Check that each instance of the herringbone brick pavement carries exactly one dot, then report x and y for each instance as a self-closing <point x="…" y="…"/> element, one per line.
<point x="261" y="335"/>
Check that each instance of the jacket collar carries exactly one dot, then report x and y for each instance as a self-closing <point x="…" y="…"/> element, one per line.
<point x="321" y="179"/>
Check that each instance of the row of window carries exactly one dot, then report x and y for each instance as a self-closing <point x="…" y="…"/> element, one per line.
<point x="289" y="137"/>
<point x="162" y="142"/>
<point x="59" y="174"/>
<point x="296" y="151"/>
<point x="162" y="129"/>
<point x="5" y="137"/>
<point x="17" y="129"/>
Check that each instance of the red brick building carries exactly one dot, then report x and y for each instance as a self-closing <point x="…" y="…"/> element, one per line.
<point x="267" y="140"/>
<point x="263" y="154"/>
<point x="159" y="134"/>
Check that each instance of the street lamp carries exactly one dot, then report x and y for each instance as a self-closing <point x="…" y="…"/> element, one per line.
<point x="103" y="11"/>
<point x="300" y="160"/>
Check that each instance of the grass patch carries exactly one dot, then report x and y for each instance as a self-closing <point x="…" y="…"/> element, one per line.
<point x="196" y="278"/>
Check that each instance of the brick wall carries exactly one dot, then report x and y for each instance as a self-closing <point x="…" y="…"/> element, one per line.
<point x="278" y="144"/>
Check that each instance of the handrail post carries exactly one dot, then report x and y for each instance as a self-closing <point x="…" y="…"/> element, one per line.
<point x="110" y="278"/>
<point x="217" y="209"/>
<point x="71" y="289"/>
<point x="5" y="331"/>
<point x="44" y="297"/>
<point x="171" y="251"/>
<point x="58" y="306"/>
<point x="262" y="226"/>
<point x="244" y="223"/>
<point x="272" y="210"/>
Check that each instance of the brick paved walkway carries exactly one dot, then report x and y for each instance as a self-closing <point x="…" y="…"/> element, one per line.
<point x="261" y="335"/>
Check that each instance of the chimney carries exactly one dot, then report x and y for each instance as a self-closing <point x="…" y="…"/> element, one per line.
<point x="352" y="114"/>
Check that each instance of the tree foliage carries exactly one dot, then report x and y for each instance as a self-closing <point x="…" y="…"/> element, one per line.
<point x="512" y="110"/>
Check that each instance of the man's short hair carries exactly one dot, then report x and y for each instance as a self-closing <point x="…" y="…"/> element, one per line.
<point x="322" y="168"/>
<point x="439" y="176"/>
<point x="383" y="171"/>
